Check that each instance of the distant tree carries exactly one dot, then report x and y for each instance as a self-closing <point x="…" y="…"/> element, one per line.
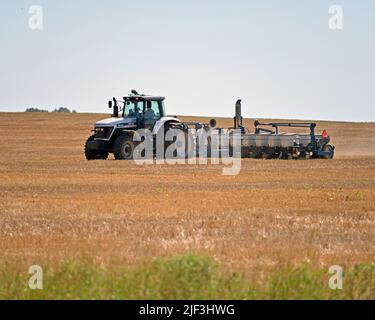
<point x="35" y="110"/>
<point x="62" y="109"/>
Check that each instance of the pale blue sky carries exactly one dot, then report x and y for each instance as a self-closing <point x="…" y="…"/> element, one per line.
<point x="280" y="57"/>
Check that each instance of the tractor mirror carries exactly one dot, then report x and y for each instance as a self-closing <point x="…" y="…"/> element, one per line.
<point x="110" y="104"/>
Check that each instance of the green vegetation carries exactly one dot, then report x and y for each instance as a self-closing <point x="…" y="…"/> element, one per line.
<point x="189" y="277"/>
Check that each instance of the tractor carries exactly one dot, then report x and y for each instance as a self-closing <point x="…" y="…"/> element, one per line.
<point x="115" y="135"/>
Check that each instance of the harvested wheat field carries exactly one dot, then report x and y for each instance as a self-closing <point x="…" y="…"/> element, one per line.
<point x="55" y="206"/>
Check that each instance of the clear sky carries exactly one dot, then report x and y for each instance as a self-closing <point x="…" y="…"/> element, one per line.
<point x="280" y="57"/>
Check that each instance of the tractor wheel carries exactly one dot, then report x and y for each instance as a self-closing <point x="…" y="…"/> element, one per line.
<point x="123" y="148"/>
<point x="94" y="154"/>
<point x="330" y="149"/>
<point x="183" y="138"/>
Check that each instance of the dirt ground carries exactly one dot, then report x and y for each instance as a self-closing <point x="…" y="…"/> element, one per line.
<point x="55" y="205"/>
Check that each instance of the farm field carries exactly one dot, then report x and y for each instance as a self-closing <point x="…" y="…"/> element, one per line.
<point x="55" y="206"/>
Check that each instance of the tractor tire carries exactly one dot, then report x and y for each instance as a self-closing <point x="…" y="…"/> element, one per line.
<point x="94" y="154"/>
<point x="330" y="149"/>
<point x="123" y="148"/>
<point x="188" y="152"/>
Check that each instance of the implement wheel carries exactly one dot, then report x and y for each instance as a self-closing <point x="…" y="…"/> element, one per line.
<point x="330" y="149"/>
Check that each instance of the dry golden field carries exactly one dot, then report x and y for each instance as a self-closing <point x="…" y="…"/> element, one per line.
<point x="56" y="206"/>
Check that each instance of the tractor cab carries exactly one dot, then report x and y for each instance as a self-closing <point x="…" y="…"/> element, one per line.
<point x="141" y="110"/>
<point x="145" y="111"/>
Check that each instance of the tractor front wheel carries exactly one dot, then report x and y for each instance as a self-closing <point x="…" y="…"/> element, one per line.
<point x="94" y="154"/>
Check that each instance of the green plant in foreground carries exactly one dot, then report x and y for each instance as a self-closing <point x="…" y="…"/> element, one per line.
<point x="186" y="277"/>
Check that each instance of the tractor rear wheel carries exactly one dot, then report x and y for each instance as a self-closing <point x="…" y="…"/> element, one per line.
<point x="94" y="154"/>
<point x="123" y="148"/>
<point x="184" y="144"/>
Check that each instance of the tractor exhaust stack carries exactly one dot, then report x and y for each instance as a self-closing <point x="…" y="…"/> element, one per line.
<point x="114" y="106"/>
<point x="238" y="115"/>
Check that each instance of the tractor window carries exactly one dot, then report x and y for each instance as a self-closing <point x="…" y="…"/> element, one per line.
<point x="133" y="109"/>
<point x="157" y="107"/>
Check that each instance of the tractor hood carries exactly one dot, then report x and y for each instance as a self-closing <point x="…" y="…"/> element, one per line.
<point x="112" y="122"/>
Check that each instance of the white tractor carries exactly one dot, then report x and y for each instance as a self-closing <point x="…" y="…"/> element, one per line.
<point x="115" y="135"/>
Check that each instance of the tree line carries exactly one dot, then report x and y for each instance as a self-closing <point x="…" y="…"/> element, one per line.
<point x="61" y="109"/>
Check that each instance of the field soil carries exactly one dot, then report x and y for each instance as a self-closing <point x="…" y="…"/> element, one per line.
<point x="56" y="206"/>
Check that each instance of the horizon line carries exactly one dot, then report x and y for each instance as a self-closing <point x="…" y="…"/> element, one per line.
<point x="206" y="116"/>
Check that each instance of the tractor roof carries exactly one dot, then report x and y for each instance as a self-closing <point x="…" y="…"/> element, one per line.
<point x="143" y="97"/>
